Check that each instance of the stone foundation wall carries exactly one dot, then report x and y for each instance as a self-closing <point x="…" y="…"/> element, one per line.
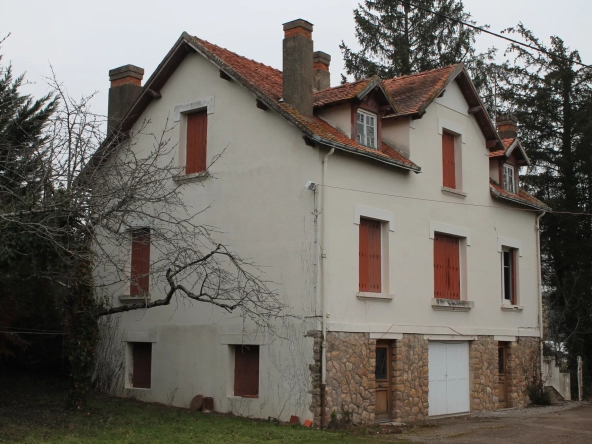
<point x="351" y="360"/>
<point x="410" y="379"/>
<point x="483" y="373"/>
<point x="523" y="363"/>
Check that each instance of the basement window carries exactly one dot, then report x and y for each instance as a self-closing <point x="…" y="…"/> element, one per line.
<point x="366" y="129"/>
<point x="246" y="371"/>
<point x="141" y="365"/>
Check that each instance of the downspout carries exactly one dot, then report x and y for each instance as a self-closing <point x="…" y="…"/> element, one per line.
<point x="540" y="284"/>
<point x="321" y="288"/>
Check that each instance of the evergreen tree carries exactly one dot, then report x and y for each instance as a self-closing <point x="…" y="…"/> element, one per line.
<point x="397" y="38"/>
<point x="552" y="97"/>
<point x="25" y="299"/>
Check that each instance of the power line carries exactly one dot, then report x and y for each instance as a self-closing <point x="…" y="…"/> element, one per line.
<point x="30" y="332"/>
<point x="478" y="28"/>
<point x="455" y="203"/>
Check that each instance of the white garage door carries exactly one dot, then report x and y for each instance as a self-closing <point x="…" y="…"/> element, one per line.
<point x="449" y="377"/>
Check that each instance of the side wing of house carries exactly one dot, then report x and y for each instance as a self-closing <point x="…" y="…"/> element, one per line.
<point x="255" y="203"/>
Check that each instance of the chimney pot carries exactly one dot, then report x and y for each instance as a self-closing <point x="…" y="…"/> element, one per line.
<point x="298" y="75"/>
<point x="126" y="85"/>
<point x="507" y="126"/>
<point x="320" y="63"/>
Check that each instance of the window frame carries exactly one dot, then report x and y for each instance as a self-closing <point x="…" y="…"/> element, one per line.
<point x="202" y="167"/>
<point x="364" y="142"/>
<point x="242" y="394"/>
<point x="513" y="254"/>
<point x="366" y="221"/>
<point x="132" y="362"/>
<point x="512" y="176"/>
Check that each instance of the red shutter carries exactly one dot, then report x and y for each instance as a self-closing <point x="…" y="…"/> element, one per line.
<point x="446" y="267"/>
<point x="140" y="278"/>
<point x="370" y="256"/>
<point x="197" y="135"/>
<point x="448" y="166"/>
<point x="246" y="370"/>
<point x="142" y="364"/>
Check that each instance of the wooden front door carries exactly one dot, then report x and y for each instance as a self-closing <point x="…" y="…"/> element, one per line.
<point x="383" y="382"/>
<point x="502" y="384"/>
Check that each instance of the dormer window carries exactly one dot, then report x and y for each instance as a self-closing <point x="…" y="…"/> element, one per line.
<point x="366" y="129"/>
<point x="509" y="181"/>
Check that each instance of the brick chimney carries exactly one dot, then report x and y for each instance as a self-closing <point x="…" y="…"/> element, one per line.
<point x="320" y="64"/>
<point x="126" y="85"/>
<point x="298" y="72"/>
<point x="506" y="126"/>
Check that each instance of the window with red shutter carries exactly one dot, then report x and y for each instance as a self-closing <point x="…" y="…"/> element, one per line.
<point x="370" y="256"/>
<point x="197" y="136"/>
<point x="448" y="162"/>
<point x="140" y="275"/>
<point x="141" y="364"/>
<point x="446" y="267"/>
<point x="246" y="370"/>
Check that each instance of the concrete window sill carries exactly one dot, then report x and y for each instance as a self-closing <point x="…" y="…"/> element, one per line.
<point x="452" y="304"/>
<point x="127" y="299"/>
<point x="508" y="307"/>
<point x="453" y="192"/>
<point x="233" y="397"/>
<point x="195" y="177"/>
<point x="367" y="296"/>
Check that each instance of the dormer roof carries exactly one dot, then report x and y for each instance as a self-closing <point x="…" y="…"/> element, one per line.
<point x="510" y="146"/>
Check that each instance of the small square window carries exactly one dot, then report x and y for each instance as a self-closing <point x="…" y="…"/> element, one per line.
<point x="246" y="371"/>
<point x="366" y="129"/>
<point x="141" y="365"/>
<point x="509" y="178"/>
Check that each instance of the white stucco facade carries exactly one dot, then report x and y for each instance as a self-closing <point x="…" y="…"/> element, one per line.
<point x="257" y="199"/>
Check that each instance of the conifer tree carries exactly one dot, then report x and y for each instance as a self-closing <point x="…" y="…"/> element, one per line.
<point x="552" y="97"/>
<point x="397" y="38"/>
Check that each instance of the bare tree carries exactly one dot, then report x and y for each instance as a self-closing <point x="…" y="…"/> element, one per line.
<point x="90" y="191"/>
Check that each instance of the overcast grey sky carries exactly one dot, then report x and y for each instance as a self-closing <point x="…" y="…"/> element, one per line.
<point x="83" y="40"/>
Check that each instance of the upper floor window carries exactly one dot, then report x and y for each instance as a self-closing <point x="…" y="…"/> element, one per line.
<point x="509" y="182"/>
<point x="367" y="129"/>
<point x="197" y="135"/>
<point x="446" y="267"/>
<point x="140" y="262"/>
<point x="370" y="256"/>
<point x="448" y="161"/>
<point x="509" y="288"/>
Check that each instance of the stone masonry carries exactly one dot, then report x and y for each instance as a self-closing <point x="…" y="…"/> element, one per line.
<point x="351" y="359"/>
<point x="523" y="364"/>
<point x="483" y="374"/>
<point x="410" y="379"/>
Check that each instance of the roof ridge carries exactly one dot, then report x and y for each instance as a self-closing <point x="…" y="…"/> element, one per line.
<point x="236" y="54"/>
<point x="421" y="73"/>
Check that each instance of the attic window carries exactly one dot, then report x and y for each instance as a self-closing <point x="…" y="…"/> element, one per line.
<point x="366" y="129"/>
<point x="509" y="183"/>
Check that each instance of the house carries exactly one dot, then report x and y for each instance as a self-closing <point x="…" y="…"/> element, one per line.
<point x="388" y="212"/>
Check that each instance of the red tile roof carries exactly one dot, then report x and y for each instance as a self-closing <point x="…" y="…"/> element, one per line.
<point x="522" y="197"/>
<point x="339" y="93"/>
<point x="268" y="81"/>
<point x="410" y="92"/>
<point x="508" y="142"/>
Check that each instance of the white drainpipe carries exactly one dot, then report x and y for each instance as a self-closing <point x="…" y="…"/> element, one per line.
<point x="321" y="287"/>
<point x="540" y="283"/>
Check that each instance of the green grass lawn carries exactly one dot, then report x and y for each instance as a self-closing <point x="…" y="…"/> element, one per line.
<point x="31" y="411"/>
